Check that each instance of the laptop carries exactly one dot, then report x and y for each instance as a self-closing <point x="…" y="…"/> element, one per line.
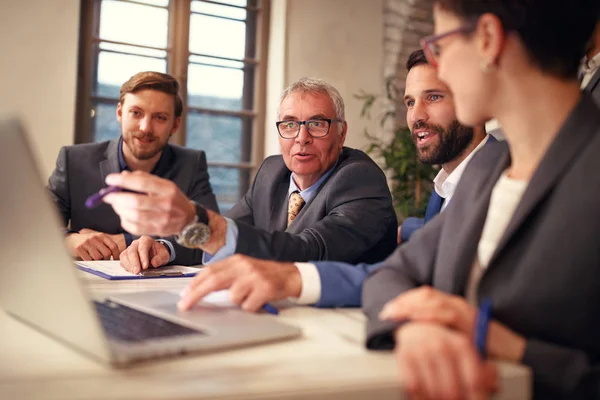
<point x="40" y="285"/>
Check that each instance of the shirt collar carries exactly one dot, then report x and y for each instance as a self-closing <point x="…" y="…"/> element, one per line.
<point x="591" y="64"/>
<point x="445" y="183"/>
<point x="310" y="192"/>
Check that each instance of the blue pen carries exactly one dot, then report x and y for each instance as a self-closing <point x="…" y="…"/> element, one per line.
<point x="484" y="315"/>
<point x="270" y="309"/>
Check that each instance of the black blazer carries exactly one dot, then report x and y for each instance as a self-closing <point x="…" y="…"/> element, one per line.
<point x="81" y="169"/>
<point x="350" y="219"/>
<point x="543" y="279"/>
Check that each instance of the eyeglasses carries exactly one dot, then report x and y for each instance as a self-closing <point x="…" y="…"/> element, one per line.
<point x="432" y="49"/>
<point x="316" y="128"/>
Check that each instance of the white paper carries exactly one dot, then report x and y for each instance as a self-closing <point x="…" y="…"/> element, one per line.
<point x="113" y="268"/>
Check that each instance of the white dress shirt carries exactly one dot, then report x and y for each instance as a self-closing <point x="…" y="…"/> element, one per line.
<point x="506" y="195"/>
<point x="588" y="68"/>
<point x="445" y="184"/>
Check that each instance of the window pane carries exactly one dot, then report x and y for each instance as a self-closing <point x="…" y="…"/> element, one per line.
<point x="134" y="23"/>
<point x="115" y="69"/>
<point x="219" y="136"/>
<point x="215" y="9"/>
<point x="217" y="37"/>
<point x="215" y="87"/>
<point x="104" y="122"/>
<point x="216" y="61"/>
<point x="225" y="183"/>
<point x="133" y="50"/>
<point x="162" y="3"/>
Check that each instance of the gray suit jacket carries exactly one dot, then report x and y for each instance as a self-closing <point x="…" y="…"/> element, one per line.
<point x="543" y="279"/>
<point x="593" y="86"/>
<point x="350" y="219"/>
<point x="81" y="169"/>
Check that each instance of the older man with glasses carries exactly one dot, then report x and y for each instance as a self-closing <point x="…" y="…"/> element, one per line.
<point x="318" y="200"/>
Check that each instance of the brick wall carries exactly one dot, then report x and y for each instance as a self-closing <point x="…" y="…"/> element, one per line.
<point x="405" y="22"/>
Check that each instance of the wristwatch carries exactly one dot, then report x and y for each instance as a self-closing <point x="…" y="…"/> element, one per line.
<point x="197" y="232"/>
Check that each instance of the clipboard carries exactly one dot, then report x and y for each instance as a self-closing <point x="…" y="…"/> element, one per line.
<point x="112" y="270"/>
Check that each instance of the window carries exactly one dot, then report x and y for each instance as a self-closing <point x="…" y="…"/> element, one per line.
<point x="211" y="47"/>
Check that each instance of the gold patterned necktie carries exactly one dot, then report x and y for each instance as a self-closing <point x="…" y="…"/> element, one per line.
<point x="295" y="204"/>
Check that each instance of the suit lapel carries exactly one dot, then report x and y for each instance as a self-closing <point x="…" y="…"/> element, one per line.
<point x="594" y="81"/>
<point x="111" y="162"/>
<point x="465" y="235"/>
<point x="571" y="138"/>
<point x="278" y="221"/>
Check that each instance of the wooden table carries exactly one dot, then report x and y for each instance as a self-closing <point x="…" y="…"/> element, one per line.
<point x="328" y="362"/>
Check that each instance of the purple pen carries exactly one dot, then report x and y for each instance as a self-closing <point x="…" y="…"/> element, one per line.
<point x="96" y="199"/>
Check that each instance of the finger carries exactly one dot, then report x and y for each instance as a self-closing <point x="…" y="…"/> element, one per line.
<point x="133" y="258"/>
<point x="400" y="306"/>
<point x="468" y="365"/>
<point x="152" y="223"/>
<point x="408" y="371"/>
<point x="87" y="230"/>
<point x="124" y="260"/>
<point x="82" y="253"/>
<point x="93" y="251"/>
<point x="257" y="298"/>
<point x="448" y="377"/>
<point x="239" y="291"/>
<point x="162" y="255"/>
<point x="427" y="369"/>
<point x="98" y="243"/>
<point x="145" y="244"/>
<point x="212" y="283"/>
<point x="112" y="246"/>
<point x="139" y="181"/>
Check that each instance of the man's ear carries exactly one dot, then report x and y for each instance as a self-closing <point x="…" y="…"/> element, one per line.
<point x="490" y="39"/>
<point x="119" y="111"/>
<point x="343" y="133"/>
<point x="175" y="125"/>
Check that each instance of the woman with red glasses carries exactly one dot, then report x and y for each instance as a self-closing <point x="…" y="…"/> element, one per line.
<point x="510" y="271"/>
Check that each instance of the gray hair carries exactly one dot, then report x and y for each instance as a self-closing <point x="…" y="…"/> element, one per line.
<point x="312" y="85"/>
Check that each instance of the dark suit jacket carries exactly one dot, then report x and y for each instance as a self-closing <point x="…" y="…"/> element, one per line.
<point x="351" y="218"/>
<point x="81" y="169"/>
<point x="543" y="279"/>
<point x="412" y="224"/>
<point x="593" y="86"/>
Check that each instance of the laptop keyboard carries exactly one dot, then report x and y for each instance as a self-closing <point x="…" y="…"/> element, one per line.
<point x="126" y="324"/>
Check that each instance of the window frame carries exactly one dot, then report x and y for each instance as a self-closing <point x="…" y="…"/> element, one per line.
<point x="252" y="114"/>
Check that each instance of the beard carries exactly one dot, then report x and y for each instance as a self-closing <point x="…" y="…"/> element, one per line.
<point x="452" y="142"/>
<point x="148" y="151"/>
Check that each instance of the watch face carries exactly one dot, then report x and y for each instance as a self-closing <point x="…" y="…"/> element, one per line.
<point x="196" y="235"/>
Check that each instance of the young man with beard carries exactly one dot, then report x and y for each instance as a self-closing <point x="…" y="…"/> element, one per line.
<point x="440" y="139"/>
<point x="149" y="112"/>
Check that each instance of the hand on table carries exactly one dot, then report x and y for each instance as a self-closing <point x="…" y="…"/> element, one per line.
<point x="436" y="362"/>
<point x="251" y="282"/>
<point x="93" y="245"/>
<point x="426" y="304"/>
<point x="144" y="253"/>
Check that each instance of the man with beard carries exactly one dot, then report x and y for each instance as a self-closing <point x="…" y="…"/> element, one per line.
<point x="440" y="139"/>
<point x="149" y="112"/>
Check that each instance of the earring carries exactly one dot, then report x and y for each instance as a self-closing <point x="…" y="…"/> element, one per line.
<point x="487" y="67"/>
